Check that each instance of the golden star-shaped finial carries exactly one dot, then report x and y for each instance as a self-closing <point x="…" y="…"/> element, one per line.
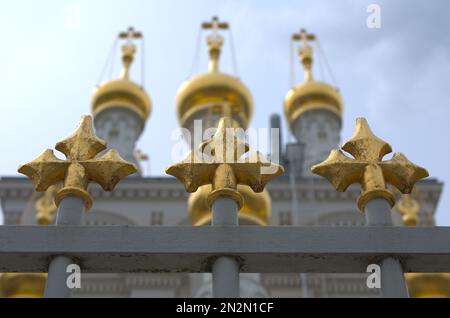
<point x="46" y="207"/>
<point x="220" y="163"/>
<point x="81" y="166"/>
<point x="368" y="167"/>
<point x="409" y="209"/>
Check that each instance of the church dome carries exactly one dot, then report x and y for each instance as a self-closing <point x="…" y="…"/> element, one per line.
<point x="255" y="211"/>
<point x="214" y="94"/>
<point x="312" y="95"/>
<point x="210" y="96"/>
<point x="123" y="92"/>
<point x="207" y="92"/>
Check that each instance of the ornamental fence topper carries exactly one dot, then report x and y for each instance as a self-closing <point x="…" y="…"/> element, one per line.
<point x="225" y="249"/>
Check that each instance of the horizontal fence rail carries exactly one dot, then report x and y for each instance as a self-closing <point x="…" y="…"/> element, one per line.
<point x="115" y="249"/>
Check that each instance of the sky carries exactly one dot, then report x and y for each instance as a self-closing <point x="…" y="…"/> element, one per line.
<point x="397" y="76"/>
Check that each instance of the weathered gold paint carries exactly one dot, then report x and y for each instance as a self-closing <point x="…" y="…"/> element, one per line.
<point x="409" y="209"/>
<point x="220" y="163"/>
<point x="81" y="166"/>
<point x="368" y="168"/>
<point x="46" y="207"/>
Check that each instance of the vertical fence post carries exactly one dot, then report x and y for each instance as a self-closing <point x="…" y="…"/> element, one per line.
<point x="224" y="168"/>
<point x="70" y="212"/>
<point x="82" y="165"/>
<point x="376" y="200"/>
<point x="393" y="285"/>
<point x="225" y="270"/>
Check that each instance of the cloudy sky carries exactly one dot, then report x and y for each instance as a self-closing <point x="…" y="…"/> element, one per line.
<point x="396" y="76"/>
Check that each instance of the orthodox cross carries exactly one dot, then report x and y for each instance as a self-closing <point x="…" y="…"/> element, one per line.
<point x="214" y="41"/>
<point x="305" y="51"/>
<point x="130" y="35"/>
<point x="215" y="25"/>
<point x="128" y="49"/>
<point x="303" y="36"/>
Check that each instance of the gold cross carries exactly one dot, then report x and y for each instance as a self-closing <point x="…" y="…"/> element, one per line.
<point x="305" y="51"/>
<point x="368" y="167"/>
<point x="215" y="25"/>
<point x="128" y="50"/>
<point x="130" y="35"/>
<point x="81" y="167"/>
<point x="220" y="163"/>
<point x="214" y="41"/>
<point x="303" y="36"/>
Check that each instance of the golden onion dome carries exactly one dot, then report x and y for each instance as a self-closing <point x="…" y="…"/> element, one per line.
<point x="311" y="94"/>
<point x="214" y="92"/>
<point x="210" y="93"/>
<point x="255" y="211"/>
<point x="211" y="96"/>
<point x="123" y="92"/>
<point x="428" y="285"/>
<point x="22" y="285"/>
